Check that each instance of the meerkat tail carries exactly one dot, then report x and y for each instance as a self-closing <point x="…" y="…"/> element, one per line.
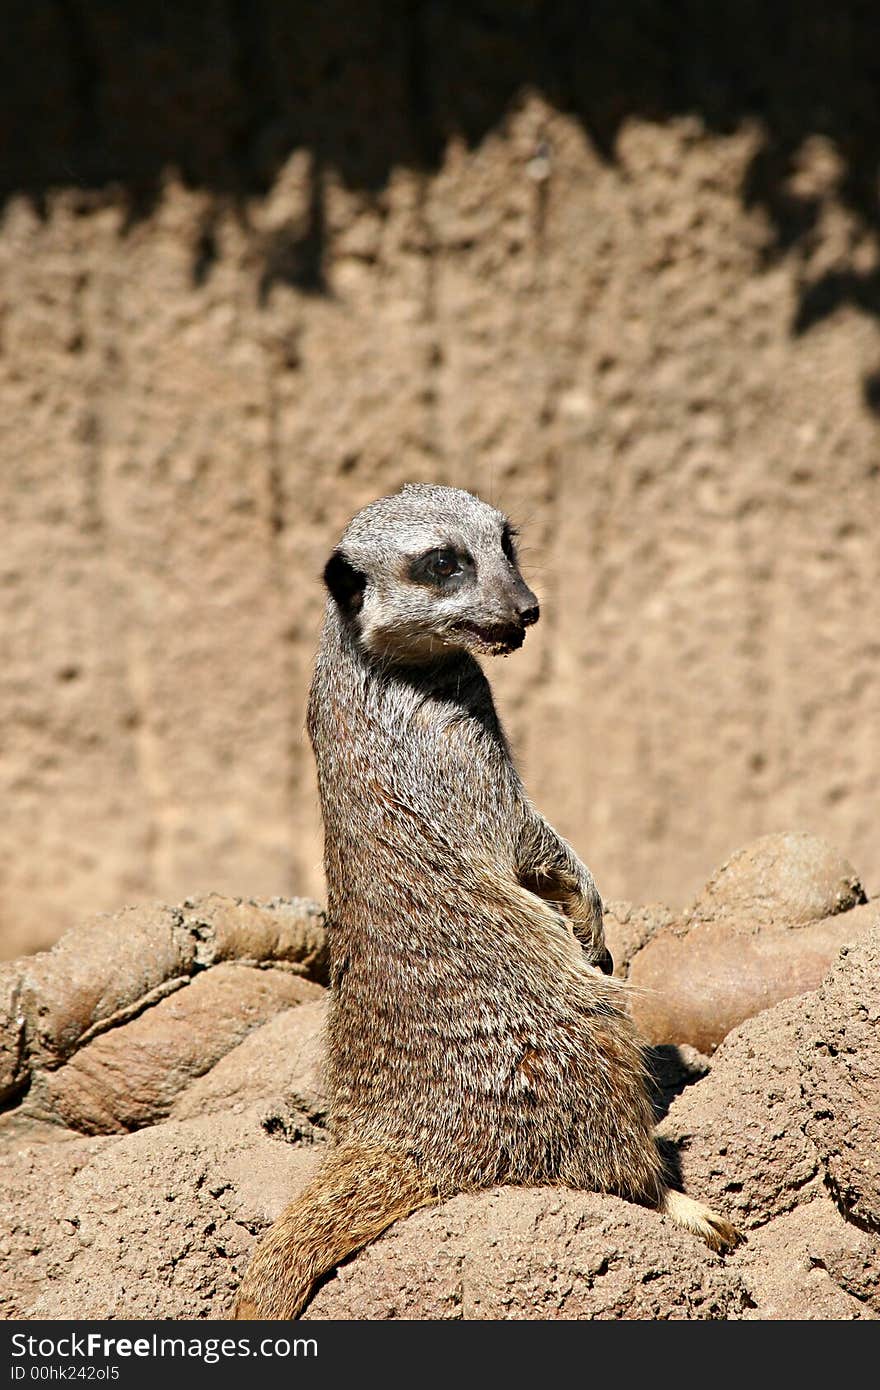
<point x="694" y="1216"/>
<point x="356" y="1195"/>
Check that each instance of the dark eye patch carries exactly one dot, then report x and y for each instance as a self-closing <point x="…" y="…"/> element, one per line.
<point x="508" y="536"/>
<point x="442" y="569"/>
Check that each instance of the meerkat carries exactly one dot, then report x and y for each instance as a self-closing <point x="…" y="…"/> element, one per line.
<point x="475" y="1034"/>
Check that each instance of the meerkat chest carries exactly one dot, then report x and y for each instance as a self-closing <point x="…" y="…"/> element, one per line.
<point x="434" y="795"/>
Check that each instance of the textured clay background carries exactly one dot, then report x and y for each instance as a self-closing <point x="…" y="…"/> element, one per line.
<point x="610" y="267"/>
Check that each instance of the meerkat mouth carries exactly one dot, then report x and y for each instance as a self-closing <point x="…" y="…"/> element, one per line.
<point x="494" y="641"/>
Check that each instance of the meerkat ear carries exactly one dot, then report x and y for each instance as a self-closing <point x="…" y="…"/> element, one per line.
<point x="346" y="584"/>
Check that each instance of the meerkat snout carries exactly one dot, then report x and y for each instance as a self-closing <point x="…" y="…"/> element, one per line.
<point x="435" y="573"/>
<point x="530" y="615"/>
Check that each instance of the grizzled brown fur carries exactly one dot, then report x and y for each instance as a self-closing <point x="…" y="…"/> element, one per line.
<point x="474" y="1039"/>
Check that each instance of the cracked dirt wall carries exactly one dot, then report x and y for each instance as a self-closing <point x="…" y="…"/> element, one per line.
<point x="259" y="264"/>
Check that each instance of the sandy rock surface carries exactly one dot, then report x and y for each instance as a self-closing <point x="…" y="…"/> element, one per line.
<point x="145" y="1201"/>
<point x="629" y="928"/>
<point x="262" y="263"/>
<point x="209" y="1018"/>
<point x="792" y="879"/>
<point x="767" y="926"/>
<point x="840" y="1060"/>
<point x="119" y="968"/>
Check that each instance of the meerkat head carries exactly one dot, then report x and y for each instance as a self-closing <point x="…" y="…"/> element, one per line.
<point x="429" y="571"/>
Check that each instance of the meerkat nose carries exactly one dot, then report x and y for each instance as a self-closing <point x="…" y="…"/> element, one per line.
<point x="530" y="615"/>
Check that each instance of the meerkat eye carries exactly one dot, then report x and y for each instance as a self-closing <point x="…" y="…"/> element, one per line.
<point x="507" y="545"/>
<point x="439" y="566"/>
<point x="445" y="563"/>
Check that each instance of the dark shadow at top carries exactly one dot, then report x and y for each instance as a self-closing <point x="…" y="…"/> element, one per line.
<point x="106" y="96"/>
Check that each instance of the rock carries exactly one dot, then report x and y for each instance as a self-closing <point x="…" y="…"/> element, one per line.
<point x="698" y="985"/>
<point x="840" y="1063"/>
<point x="98" y="971"/>
<point x="780" y="1133"/>
<point x="808" y="1265"/>
<point x="285" y="930"/>
<point x="158" y="1224"/>
<point x="792" y="1103"/>
<point x="283" y="1058"/>
<point x="132" y="1076"/>
<point x="767" y="927"/>
<point x="787" y="879"/>
<point x="533" y="1253"/>
<point x="628" y="928"/>
<point x="152" y="1224"/>
<point x="737" y="1138"/>
<point x="34" y="1243"/>
<point x="110" y="970"/>
<point x="13" y="1057"/>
